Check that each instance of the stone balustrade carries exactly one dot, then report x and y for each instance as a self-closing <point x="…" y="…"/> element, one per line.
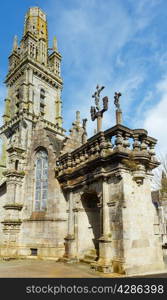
<point x="116" y="140"/>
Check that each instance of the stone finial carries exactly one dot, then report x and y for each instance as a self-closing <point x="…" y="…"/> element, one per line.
<point x="55" y="44"/>
<point x="78" y="119"/>
<point x="15" y="43"/>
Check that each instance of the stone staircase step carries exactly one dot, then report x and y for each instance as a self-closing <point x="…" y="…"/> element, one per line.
<point x="87" y="261"/>
<point x="91" y="257"/>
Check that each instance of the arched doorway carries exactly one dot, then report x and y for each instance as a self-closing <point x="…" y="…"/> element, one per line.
<point x="89" y="225"/>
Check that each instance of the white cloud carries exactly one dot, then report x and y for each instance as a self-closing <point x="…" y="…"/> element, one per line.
<point x="91" y="36"/>
<point x="156" y="119"/>
<point x="141" y="109"/>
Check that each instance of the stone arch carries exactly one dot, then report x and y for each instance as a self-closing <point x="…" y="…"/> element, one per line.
<point x="40" y="148"/>
<point x="89" y="223"/>
<point x="34" y="153"/>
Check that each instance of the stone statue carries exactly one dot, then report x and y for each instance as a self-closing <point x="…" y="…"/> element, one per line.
<point x="105" y="103"/>
<point x="116" y="100"/>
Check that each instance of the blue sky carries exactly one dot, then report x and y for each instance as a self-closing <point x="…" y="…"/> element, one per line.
<point x="121" y="44"/>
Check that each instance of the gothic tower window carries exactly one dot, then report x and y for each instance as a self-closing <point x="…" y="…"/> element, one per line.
<point x="16" y="164"/>
<point x="17" y="101"/>
<point x="42" y="101"/>
<point x="41" y="180"/>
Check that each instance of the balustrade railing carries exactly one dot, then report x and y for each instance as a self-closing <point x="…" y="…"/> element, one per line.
<point x="114" y="140"/>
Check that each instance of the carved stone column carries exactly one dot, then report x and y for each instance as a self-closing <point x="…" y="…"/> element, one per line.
<point x="70" y="243"/>
<point x="12" y="220"/>
<point x="105" y="241"/>
<point x="30" y="90"/>
<point x="118" y="116"/>
<point x="99" y="122"/>
<point x="58" y="105"/>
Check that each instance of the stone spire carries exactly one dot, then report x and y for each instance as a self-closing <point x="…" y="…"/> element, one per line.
<point x="36" y="35"/>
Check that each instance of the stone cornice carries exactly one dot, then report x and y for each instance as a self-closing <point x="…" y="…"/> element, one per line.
<point x="14" y="53"/>
<point x="29" y="34"/>
<point x="44" y="219"/>
<point x="13" y="206"/>
<point x="118" y="146"/>
<point x="33" y="118"/>
<point x="38" y="69"/>
<point x="55" y="53"/>
<point x="76" y="177"/>
<point x="95" y="171"/>
<point x="13" y="122"/>
<point x="12" y="222"/>
<point x="14" y="174"/>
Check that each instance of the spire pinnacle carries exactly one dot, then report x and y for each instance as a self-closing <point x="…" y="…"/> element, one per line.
<point x="78" y="117"/>
<point x="55" y="44"/>
<point x="15" y="43"/>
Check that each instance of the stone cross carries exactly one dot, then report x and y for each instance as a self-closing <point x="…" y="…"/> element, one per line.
<point x="95" y="111"/>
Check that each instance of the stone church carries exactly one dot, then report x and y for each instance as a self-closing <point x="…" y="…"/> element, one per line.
<point x="66" y="197"/>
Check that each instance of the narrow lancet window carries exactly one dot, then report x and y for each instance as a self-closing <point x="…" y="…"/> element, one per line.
<point x="41" y="181"/>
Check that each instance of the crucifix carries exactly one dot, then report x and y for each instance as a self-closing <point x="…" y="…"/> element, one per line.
<point x="95" y="111"/>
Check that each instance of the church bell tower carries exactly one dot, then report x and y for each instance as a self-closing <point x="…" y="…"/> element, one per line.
<point x="34" y="84"/>
<point x="32" y="111"/>
<point x="34" y="81"/>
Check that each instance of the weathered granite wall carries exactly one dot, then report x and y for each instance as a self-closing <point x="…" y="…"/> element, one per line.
<point x="136" y="248"/>
<point x="43" y="230"/>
